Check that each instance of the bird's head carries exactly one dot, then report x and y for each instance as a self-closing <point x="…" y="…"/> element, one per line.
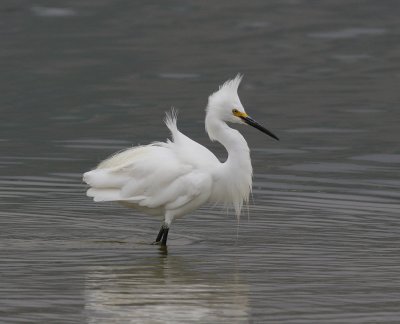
<point x="225" y="105"/>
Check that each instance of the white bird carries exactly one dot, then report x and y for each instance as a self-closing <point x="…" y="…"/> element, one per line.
<point x="173" y="178"/>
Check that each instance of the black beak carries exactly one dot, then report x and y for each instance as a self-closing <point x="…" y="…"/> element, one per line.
<point x="250" y="121"/>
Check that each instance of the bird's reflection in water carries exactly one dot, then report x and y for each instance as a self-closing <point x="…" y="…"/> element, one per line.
<point x="163" y="289"/>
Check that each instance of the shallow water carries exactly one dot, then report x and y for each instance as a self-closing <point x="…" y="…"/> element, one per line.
<point x="319" y="242"/>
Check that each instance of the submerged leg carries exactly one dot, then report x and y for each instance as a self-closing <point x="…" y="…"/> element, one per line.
<point x="162" y="235"/>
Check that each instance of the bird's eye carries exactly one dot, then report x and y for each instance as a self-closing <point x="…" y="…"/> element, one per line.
<point x="235" y="111"/>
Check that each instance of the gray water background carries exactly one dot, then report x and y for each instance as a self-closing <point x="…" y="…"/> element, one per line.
<point x="320" y="241"/>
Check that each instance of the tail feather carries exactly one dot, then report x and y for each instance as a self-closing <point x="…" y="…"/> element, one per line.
<point x="104" y="179"/>
<point x="104" y="194"/>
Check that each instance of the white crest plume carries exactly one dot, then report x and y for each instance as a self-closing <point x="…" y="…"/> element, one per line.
<point x="227" y="92"/>
<point x="233" y="84"/>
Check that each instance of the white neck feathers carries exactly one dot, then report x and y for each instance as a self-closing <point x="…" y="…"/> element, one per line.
<point x="234" y="176"/>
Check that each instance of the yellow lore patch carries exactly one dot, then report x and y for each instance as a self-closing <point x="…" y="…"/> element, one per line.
<point x="238" y="113"/>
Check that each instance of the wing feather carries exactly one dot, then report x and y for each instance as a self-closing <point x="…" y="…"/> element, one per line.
<point x="153" y="178"/>
<point x="160" y="176"/>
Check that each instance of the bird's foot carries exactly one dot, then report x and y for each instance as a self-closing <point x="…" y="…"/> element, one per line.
<point x="156" y="243"/>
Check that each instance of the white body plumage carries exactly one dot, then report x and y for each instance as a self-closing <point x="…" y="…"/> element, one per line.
<point x="173" y="178"/>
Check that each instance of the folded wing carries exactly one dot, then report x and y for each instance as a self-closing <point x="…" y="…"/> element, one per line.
<point x="152" y="177"/>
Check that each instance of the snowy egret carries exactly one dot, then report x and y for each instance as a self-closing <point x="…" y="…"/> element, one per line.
<point x="172" y="178"/>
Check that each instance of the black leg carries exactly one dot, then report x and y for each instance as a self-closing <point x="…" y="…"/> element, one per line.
<point x="162" y="235"/>
<point x="165" y="236"/>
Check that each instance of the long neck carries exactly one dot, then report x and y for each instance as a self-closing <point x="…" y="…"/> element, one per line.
<point x="234" y="176"/>
<point x="230" y="138"/>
